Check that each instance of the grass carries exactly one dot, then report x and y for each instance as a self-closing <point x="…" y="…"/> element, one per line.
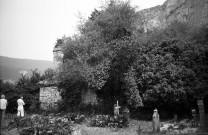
<point x="131" y="130"/>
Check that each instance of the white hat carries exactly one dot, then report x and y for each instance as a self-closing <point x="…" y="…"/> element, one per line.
<point x="2" y="96"/>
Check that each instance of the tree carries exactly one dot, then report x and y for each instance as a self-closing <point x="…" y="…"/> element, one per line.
<point x="168" y="74"/>
<point x="98" y="57"/>
<point x="49" y="74"/>
<point x="163" y="68"/>
<point x="27" y="86"/>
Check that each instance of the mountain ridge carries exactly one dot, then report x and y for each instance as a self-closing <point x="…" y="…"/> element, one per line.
<point x="10" y="68"/>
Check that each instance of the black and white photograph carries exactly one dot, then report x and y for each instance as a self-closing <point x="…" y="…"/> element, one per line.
<point x="103" y="67"/>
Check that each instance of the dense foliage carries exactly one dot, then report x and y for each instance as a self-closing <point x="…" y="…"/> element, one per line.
<point x="101" y="56"/>
<point x="164" y="68"/>
<point x="26" y="86"/>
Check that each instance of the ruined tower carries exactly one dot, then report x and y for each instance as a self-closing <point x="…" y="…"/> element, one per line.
<point x="57" y="53"/>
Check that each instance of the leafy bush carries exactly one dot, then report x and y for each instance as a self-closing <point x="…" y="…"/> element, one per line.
<point x="76" y="118"/>
<point x="20" y="122"/>
<point x="27" y="131"/>
<point x="99" y="120"/>
<point x="184" y="123"/>
<point x="43" y="125"/>
<point x="109" y="121"/>
<point x="52" y="125"/>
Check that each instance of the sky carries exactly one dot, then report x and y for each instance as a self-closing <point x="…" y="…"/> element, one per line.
<point x="29" y="28"/>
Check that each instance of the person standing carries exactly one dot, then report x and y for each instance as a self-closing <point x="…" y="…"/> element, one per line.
<point x="20" y="108"/>
<point x="156" y="121"/>
<point x="3" y="105"/>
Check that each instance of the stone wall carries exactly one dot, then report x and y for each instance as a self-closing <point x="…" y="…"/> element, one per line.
<point x="89" y="97"/>
<point x="49" y="97"/>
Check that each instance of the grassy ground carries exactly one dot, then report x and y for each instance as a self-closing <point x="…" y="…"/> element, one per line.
<point x="85" y="129"/>
<point x="145" y="126"/>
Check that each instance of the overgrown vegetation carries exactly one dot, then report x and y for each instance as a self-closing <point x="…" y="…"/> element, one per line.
<point x="165" y="68"/>
<point x="101" y="56"/>
<point x="28" y="87"/>
<point x="42" y="125"/>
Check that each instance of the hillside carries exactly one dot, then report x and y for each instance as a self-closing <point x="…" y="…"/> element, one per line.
<point x="10" y="68"/>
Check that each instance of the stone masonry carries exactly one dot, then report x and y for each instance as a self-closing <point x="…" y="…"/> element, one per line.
<point x="49" y="96"/>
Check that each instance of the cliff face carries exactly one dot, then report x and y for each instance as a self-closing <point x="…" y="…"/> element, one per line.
<point x="192" y="12"/>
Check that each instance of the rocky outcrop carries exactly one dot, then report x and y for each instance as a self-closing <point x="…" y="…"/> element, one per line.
<point x="192" y="12"/>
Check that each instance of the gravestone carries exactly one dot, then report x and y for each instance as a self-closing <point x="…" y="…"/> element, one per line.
<point x="206" y="120"/>
<point x="116" y="109"/>
<point x="156" y="121"/>
<point x="194" y="118"/>
<point x="126" y="114"/>
<point x="139" y="130"/>
<point x="201" y="113"/>
<point x="175" y="118"/>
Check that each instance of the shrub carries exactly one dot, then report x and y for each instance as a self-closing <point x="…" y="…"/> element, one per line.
<point x="43" y="125"/>
<point x="20" y="122"/>
<point x="109" y="121"/>
<point x="27" y="131"/>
